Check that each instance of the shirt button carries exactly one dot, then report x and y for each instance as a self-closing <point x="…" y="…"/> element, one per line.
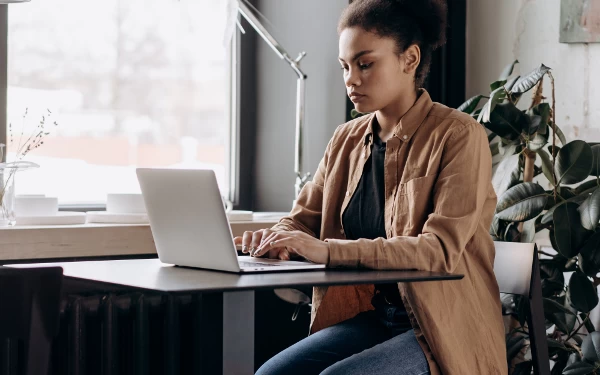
<point x="347" y="193"/>
<point x="405" y="137"/>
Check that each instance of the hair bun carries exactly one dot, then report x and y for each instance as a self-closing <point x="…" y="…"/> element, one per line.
<point x="431" y="15"/>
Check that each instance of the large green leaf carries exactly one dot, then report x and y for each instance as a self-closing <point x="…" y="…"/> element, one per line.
<point x="582" y="295"/>
<point x="542" y="110"/>
<point x="569" y="234"/>
<point x="508" y="70"/>
<point x="595" y="171"/>
<point x="497" y="84"/>
<point x="511" y="233"/>
<point x="495" y="228"/>
<point x="584" y="187"/>
<point x="549" y="215"/>
<point x="559" y="134"/>
<point x="470" y="105"/>
<point x="508" y="121"/>
<point x="578" y="199"/>
<point x="495" y="97"/>
<point x="573" y="162"/>
<point x="534" y="124"/>
<point x="527" y="82"/>
<point x="528" y="232"/>
<point x="589" y="256"/>
<point x="521" y="202"/>
<point x="506" y="149"/>
<point x="547" y="166"/>
<point x="552" y="275"/>
<point x="507" y="173"/>
<point x="523" y="368"/>
<point x="537" y="142"/>
<point x="579" y="368"/>
<point x="558" y="314"/>
<point x="494" y="149"/>
<point x="587" y="323"/>
<point x="590" y="211"/>
<point x="514" y="344"/>
<point x="511" y="82"/>
<point x="591" y="347"/>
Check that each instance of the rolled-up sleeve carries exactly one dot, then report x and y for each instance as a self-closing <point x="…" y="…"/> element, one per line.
<point x="459" y="196"/>
<point x="306" y="215"/>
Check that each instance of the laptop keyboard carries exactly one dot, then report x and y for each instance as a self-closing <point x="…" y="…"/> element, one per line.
<point x="257" y="264"/>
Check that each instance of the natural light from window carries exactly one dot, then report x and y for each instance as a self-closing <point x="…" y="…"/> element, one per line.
<point x="131" y="83"/>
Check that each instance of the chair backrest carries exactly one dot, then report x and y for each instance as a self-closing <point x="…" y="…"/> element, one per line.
<point x="30" y="311"/>
<point x="517" y="270"/>
<point x="513" y="265"/>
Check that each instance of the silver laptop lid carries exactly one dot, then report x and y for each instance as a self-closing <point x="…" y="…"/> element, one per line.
<point x="187" y="218"/>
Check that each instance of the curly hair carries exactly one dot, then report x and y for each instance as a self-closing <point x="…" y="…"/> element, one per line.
<point x="408" y="22"/>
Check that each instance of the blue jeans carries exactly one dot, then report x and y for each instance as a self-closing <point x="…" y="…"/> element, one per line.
<point x="370" y="343"/>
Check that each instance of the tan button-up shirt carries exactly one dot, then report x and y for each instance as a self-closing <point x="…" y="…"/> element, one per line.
<point x="438" y="208"/>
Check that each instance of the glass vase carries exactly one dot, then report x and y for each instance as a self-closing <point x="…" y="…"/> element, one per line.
<point x="7" y="197"/>
<point x="8" y="174"/>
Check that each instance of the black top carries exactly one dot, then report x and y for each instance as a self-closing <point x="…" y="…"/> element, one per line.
<point x="364" y="215"/>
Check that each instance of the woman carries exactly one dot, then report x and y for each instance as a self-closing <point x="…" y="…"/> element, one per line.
<point x="405" y="187"/>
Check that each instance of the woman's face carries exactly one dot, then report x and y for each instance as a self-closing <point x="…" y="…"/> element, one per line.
<point x="374" y="74"/>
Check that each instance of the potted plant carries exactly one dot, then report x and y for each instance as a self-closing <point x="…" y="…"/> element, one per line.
<point x="528" y="146"/>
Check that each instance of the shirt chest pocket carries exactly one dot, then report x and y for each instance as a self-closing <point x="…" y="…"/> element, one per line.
<point x="414" y="203"/>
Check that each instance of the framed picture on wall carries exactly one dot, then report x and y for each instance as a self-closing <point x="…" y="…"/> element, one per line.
<point x="580" y="21"/>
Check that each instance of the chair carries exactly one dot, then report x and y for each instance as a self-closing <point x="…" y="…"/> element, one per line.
<point x="29" y="312"/>
<point x="517" y="271"/>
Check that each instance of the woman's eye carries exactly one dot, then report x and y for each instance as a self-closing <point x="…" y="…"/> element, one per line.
<point x="344" y="68"/>
<point x="364" y="66"/>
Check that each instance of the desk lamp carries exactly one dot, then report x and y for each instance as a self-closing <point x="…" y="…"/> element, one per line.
<point x="244" y="10"/>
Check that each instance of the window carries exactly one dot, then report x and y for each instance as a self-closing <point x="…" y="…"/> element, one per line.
<point x="131" y="83"/>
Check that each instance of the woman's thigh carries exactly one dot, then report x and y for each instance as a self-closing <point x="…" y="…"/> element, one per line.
<point x="400" y="355"/>
<point x="328" y="346"/>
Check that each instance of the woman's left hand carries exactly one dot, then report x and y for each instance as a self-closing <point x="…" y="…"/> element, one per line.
<point x="297" y="242"/>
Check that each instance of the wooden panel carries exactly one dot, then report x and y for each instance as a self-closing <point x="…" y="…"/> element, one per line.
<point x="89" y="240"/>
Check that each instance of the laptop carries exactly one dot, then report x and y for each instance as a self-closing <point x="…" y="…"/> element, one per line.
<point x="190" y="227"/>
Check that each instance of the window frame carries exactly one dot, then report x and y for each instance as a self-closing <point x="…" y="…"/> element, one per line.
<point x="232" y="160"/>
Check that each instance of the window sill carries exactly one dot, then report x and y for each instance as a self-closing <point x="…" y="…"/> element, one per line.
<point x="114" y="241"/>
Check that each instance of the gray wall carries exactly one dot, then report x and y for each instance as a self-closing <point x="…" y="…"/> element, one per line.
<point x="308" y="25"/>
<point x="499" y="32"/>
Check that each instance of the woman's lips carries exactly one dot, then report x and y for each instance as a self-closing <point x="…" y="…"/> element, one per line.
<point x="356" y="97"/>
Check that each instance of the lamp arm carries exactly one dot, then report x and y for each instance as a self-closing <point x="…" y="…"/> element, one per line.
<point x="301" y="178"/>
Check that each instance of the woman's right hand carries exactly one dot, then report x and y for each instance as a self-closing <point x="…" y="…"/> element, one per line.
<point x="250" y="241"/>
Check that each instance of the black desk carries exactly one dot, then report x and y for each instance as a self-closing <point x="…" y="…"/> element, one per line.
<point x="237" y="291"/>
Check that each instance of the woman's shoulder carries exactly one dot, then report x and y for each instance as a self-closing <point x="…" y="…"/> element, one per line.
<point x="353" y="130"/>
<point x="452" y="121"/>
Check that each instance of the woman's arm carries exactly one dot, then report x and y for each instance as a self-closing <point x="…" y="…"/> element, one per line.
<point x="459" y="195"/>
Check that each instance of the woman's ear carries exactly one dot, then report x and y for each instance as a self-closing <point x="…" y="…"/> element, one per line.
<point x="412" y="58"/>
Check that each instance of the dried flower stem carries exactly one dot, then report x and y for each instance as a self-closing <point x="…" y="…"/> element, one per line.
<point x="553" y="134"/>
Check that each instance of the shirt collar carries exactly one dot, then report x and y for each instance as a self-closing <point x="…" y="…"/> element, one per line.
<point x="409" y="123"/>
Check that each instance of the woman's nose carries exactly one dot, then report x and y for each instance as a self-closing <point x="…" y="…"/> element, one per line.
<point x="352" y="78"/>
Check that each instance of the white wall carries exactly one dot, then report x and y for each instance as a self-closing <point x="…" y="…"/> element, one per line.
<point x="307" y="25"/>
<point x="500" y="31"/>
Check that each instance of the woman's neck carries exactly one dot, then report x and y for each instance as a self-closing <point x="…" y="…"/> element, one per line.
<point x="389" y="117"/>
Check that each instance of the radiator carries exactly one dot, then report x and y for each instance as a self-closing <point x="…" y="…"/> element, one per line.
<point x="136" y="333"/>
<point x="149" y="333"/>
